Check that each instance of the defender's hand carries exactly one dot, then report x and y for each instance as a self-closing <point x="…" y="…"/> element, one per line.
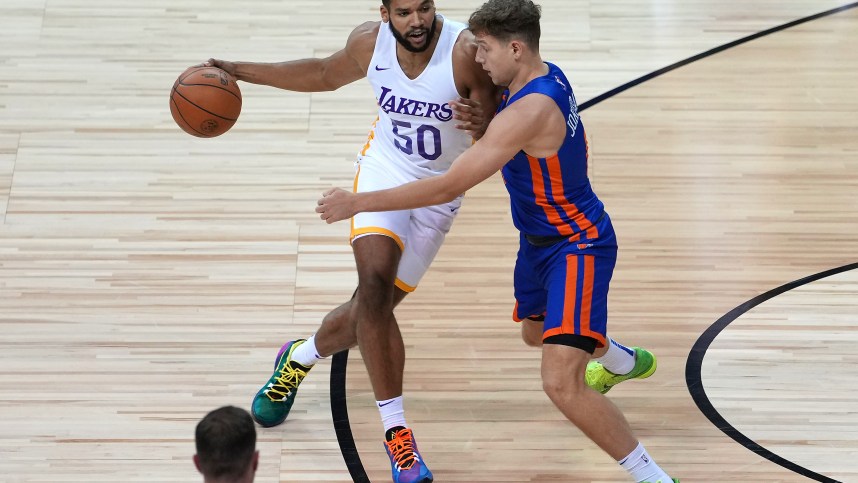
<point x="471" y="116"/>
<point x="336" y="205"/>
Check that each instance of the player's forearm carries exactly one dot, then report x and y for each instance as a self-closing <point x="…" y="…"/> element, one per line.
<point x="305" y="75"/>
<point x="416" y="194"/>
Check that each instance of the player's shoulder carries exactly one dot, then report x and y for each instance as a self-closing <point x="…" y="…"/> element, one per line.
<point x="364" y="35"/>
<point x="552" y="84"/>
<point x="534" y="104"/>
<point x="369" y="27"/>
<point x="465" y="51"/>
<point x="466" y="44"/>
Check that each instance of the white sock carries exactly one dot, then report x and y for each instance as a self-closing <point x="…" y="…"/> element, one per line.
<point x="642" y="468"/>
<point x="619" y="359"/>
<point x="392" y="413"/>
<point x="306" y="353"/>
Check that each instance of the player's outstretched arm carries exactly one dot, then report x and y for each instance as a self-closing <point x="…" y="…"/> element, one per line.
<point x="511" y="131"/>
<point x="311" y="75"/>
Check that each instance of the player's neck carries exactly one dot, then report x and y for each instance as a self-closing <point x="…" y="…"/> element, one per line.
<point x="414" y="60"/>
<point x="413" y="63"/>
<point x="530" y="69"/>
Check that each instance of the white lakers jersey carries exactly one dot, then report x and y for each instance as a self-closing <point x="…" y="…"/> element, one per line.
<point x="415" y="129"/>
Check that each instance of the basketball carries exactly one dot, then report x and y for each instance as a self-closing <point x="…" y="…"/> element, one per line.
<point x="205" y="101"/>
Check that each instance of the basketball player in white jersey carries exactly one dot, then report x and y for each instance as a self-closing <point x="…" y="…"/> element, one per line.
<point x="431" y="95"/>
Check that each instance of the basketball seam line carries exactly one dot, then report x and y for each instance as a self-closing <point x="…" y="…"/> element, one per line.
<point x="179" y="112"/>
<point x="201" y="108"/>
<point x="211" y="85"/>
<point x="189" y="74"/>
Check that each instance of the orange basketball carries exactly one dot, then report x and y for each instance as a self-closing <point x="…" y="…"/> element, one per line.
<point x="205" y="101"/>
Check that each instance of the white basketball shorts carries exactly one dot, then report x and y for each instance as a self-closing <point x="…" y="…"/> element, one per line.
<point x="419" y="232"/>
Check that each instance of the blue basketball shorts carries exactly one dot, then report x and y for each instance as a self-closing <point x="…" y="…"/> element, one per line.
<point x="567" y="283"/>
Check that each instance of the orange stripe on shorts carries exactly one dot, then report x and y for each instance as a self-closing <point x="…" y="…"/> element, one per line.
<point x="567" y="325"/>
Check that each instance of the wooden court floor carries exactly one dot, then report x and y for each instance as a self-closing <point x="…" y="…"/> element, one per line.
<point x="147" y="277"/>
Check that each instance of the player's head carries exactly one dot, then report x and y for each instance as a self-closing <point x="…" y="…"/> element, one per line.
<point x="226" y="445"/>
<point x="507" y="33"/>
<point x="412" y="22"/>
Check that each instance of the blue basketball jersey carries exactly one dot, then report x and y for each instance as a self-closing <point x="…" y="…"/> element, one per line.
<point x="552" y="196"/>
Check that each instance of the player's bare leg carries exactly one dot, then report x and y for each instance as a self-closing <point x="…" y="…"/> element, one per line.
<point x="610" y="365"/>
<point x="594" y="414"/>
<point x="377" y="333"/>
<point x="532" y="331"/>
<point x="338" y="330"/>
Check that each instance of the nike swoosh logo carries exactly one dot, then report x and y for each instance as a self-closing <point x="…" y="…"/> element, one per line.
<point x="390" y="402"/>
<point x="381" y="68"/>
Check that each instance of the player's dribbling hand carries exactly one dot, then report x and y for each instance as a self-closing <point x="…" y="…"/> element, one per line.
<point x="336" y="205"/>
<point x="471" y="117"/>
<point x="229" y="67"/>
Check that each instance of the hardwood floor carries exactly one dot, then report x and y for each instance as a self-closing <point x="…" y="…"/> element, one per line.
<point x="147" y="277"/>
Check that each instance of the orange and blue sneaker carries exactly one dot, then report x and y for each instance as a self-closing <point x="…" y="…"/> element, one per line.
<point x="272" y="403"/>
<point x="406" y="464"/>
<point x="603" y="380"/>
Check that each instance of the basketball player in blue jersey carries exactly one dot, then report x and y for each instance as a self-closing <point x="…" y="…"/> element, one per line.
<point x="568" y="248"/>
<point x="431" y="95"/>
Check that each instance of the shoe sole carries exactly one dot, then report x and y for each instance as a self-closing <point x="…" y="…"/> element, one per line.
<point x="261" y="423"/>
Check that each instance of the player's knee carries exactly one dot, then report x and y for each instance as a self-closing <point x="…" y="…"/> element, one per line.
<point x="555" y="388"/>
<point x="531" y="339"/>
<point x="559" y="388"/>
<point x="375" y="293"/>
<point x="531" y="330"/>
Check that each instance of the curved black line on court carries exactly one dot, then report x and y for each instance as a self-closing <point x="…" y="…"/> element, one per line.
<point x="340" y="413"/>
<point x="613" y="92"/>
<point x="339" y="408"/>
<point x="694" y="365"/>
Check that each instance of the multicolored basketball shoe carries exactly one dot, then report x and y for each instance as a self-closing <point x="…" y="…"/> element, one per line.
<point x="603" y="380"/>
<point x="406" y="464"/>
<point x="272" y="403"/>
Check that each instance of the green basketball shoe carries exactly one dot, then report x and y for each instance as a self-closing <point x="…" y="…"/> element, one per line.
<point x="272" y="403"/>
<point x="603" y="380"/>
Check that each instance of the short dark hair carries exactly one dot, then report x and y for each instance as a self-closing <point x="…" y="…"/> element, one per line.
<point x="508" y="19"/>
<point x="386" y="3"/>
<point x="226" y="442"/>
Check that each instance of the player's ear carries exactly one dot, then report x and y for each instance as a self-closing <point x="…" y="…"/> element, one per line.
<point x="517" y="48"/>
<point x="385" y="15"/>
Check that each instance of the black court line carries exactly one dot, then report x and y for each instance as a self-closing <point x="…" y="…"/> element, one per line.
<point x="613" y="92"/>
<point x="340" y="412"/>
<point x="339" y="408"/>
<point x="694" y="380"/>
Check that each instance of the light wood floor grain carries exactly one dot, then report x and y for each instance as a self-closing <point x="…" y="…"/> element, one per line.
<point x="147" y="277"/>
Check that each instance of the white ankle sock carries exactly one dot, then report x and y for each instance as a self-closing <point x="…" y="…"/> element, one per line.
<point x="619" y="359"/>
<point x="642" y="468"/>
<point x="392" y="413"/>
<point x="306" y="353"/>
